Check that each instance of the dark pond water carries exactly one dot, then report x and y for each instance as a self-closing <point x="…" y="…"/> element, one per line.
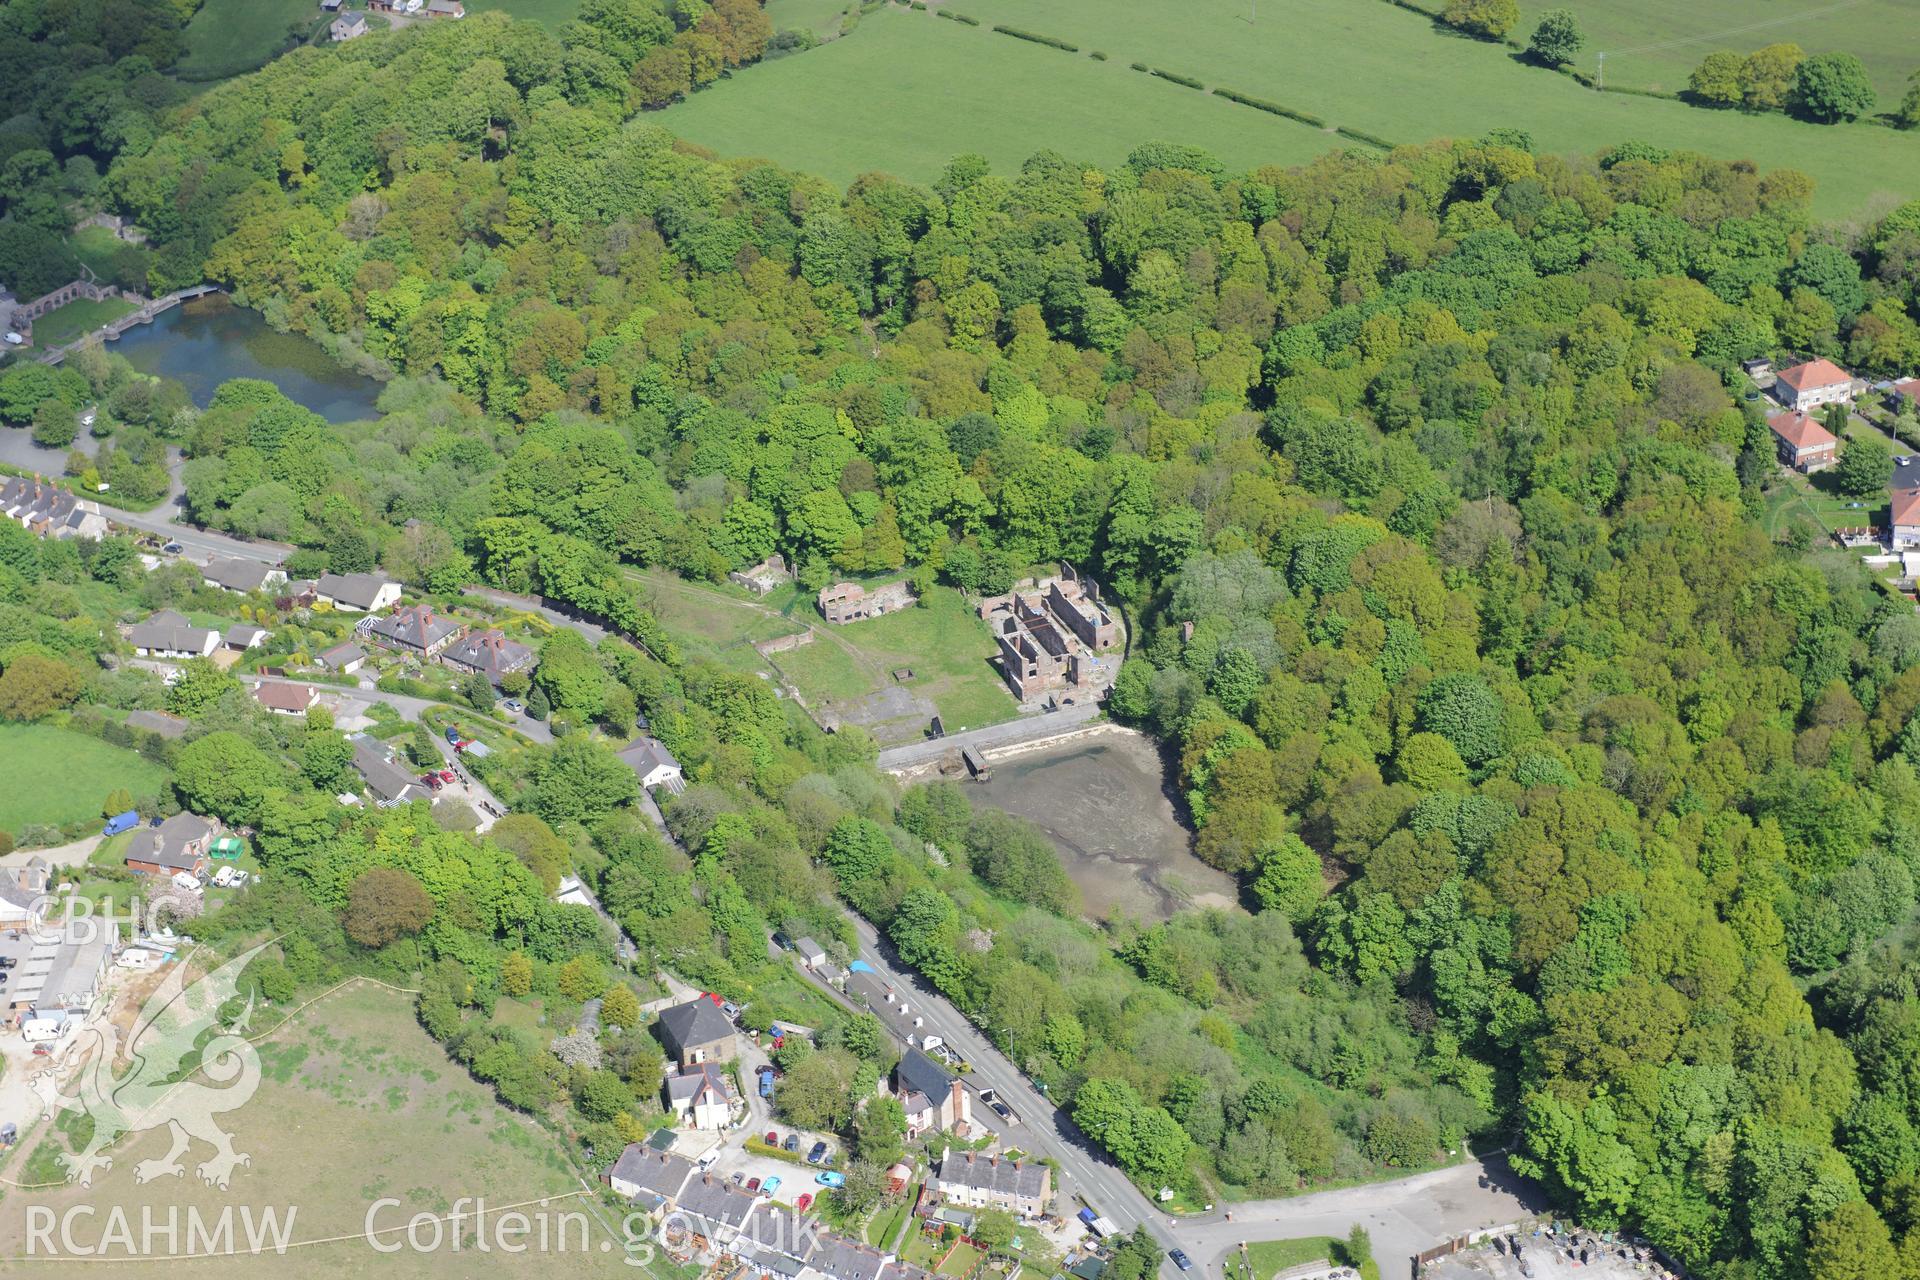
<point x="209" y="340"/>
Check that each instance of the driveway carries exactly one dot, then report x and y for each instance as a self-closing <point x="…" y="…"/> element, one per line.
<point x="61" y="855"/>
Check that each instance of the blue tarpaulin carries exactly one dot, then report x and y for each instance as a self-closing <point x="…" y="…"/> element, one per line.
<point x="859" y="966"/>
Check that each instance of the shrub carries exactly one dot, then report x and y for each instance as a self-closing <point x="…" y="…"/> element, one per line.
<point x="958" y="17"/>
<point x="1177" y="78"/>
<point x="1271" y="108"/>
<point x="1037" y="38"/>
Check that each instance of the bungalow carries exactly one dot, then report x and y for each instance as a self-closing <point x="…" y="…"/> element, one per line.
<point x="356" y="592"/>
<point x="1020" y="1187"/>
<point x="1810" y="385"/>
<point x="178" y="844"/>
<point x="286" y="699"/>
<point x="701" y="1097"/>
<point x="348" y="26"/>
<point x="642" y="1171"/>
<point x="244" y="636"/>
<point x="489" y="654"/>
<point x="655" y="765"/>
<point x="387" y="782"/>
<point x="933" y="1099"/>
<point x="696" y="1032"/>
<point x="414" y="630"/>
<point x="49" y="511"/>
<point x="241" y="576"/>
<point x="1903" y="515"/>
<point x="343" y="659"/>
<point x="1802" y="442"/>
<point x="169" y="635"/>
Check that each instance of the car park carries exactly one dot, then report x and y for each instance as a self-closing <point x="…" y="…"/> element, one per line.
<point x="828" y="1178"/>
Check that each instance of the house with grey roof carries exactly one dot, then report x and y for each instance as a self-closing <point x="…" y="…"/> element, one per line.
<point x="415" y="630"/>
<point x="1021" y="1187"/>
<point x="488" y="653"/>
<point x="244" y="636"/>
<point x="241" y="577"/>
<point x="654" y="765"/>
<point x="23" y="893"/>
<point x="712" y="1210"/>
<point x="348" y="26"/>
<point x="167" y="634"/>
<point x="178" y="844"/>
<point x="701" y="1096"/>
<point x="931" y="1096"/>
<point x="356" y="592"/>
<point x="343" y="659"/>
<point x="840" y="1258"/>
<point x="387" y="782"/>
<point x="48" y="511"/>
<point x="696" y="1032"/>
<point x="642" y="1171"/>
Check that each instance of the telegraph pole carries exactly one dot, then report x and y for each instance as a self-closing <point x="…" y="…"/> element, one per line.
<point x="1600" y="75"/>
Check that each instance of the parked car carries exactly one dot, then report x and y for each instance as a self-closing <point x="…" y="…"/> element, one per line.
<point x="753" y="1184"/>
<point x="828" y="1178"/>
<point x="792" y="1143"/>
<point x="513" y="706"/>
<point x="172" y="548"/>
<point x="806" y="1198"/>
<point x="770" y="1186"/>
<point x="9" y="962"/>
<point x="819" y="1150"/>
<point x="1180" y="1259"/>
<point x="782" y="941"/>
<point x="773" y="1137"/>
<point x="731" y="1009"/>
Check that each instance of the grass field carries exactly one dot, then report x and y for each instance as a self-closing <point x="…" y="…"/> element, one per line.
<point x="81" y="316"/>
<point x="944" y="644"/>
<point x="232" y="37"/>
<point x="863" y="103"/>
<point x="1654" y="45"/>
<point x="822" y="17"/>
<point x="355" y="1105"/>
<point x="548" y="13"/>
<point x="1368" y="66"/>
<point x="56" y="776"/>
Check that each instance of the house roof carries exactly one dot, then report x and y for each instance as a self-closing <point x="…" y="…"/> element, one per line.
<point x="244" y="634"/>
<point x="1905" y="506"/>
<point x="648" y="754"/>
<point x="702" y="1083"/>
<point x="358" y="590"/>
<point x="285" y="697"/>
<point x="157" y="722"/>
<point x="389" y="783"/>
<point x="695" y="1022"/>
<point x="171" y="631"/>
<point x="717" y="1203"/>
<point x="489" y="652"/>
<point x="341" y="654"/>
<point x="166" y="844"/>
<point x="235" y="574"/>
<point x="415" y="627"/>
<point x="654" y="1172"/>
<point x="1814" y="373"/>
<point x="1800" y="430"/>
<point x="844" y="1259"/>
<point x="1908" y="388"/>
<point x="917" y="1072"/>
<point x="992" y="1174"/>
<point x="36" y="503"/>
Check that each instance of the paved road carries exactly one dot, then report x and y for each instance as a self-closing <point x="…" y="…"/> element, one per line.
<point x="1025" y="729"/>
<point x="1403" y="1217"/>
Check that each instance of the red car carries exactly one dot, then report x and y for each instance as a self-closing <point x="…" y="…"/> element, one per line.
<point x="773" y="1138"/>
<point x="753" y="1184"/>
<point x="446" y="775"/>
<point x="805" y="1199"/>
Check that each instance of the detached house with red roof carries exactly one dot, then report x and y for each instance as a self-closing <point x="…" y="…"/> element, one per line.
<point x="1904" y="516"/>
<point x="1904" y="394"/>
<point x="1802" y="442"/>
<point x="1810" y="385"/>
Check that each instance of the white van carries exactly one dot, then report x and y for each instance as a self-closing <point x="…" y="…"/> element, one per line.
<point x="41" y="1028"/>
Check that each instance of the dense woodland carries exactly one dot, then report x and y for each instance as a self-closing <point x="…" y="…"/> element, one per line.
<point x="1569" y="807"/>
